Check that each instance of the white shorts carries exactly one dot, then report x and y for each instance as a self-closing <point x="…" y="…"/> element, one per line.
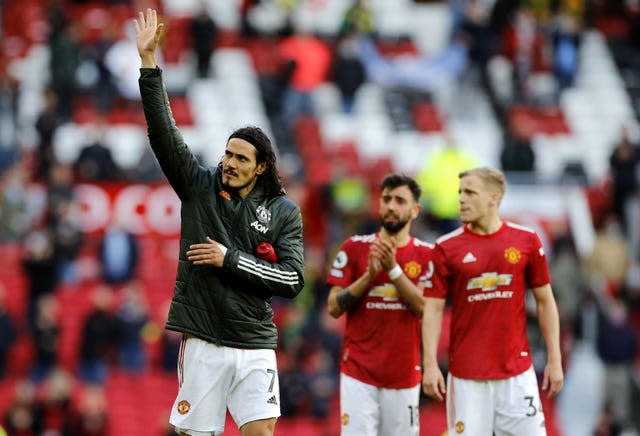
<point x="367" y="410"/>
<point x="508" y="406"/>
<point x="213" y="378"/>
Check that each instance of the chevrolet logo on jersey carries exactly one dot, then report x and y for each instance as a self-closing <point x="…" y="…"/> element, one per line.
<point x="489" y="281"/>
<point x="387" y="292"/>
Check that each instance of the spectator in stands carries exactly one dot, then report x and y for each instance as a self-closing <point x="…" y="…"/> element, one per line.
<point x="358" y="18"/>
<point x="14" y="213"/>
<point x="224" y="285"/>
<point x="95" y="163"/>
<point x="524" y="45"/>
<point x="247" y="29"/>
<point x="64" y="61"/>
<point x="203" y="35"/>
<point x="609" y="262"/>
<point x="46" y="126"/>
<point x="347" y="70"/>
<point x="378" y="280"/>
<point x="8" y="332"/>
<point x="569" y="279"/>
<point x="91" y="416"/>
<point x="60" y="186"/>
<point x="46" y="337"/>
<point x="41" y="268"/>
<point x="565" y="44"/>
<point x="97" y="338"/>
<point x="67" y="239"/>
<point x="424" y="72"/>
<point x="474" y="18"/>
<point x="118" y="252"/>
<point x="623" y="164"/>
<point x="439" y="181"/>
<point x="130" y="320"/>
<point x="311" y="60"/>
<point x="53" y="407"/>
<point x="99" y="83"/>
<point x="517" y="154"/>
<point x="618" y="349"/>
<point x="20" y="417"/>
<point x="348" y="207"/>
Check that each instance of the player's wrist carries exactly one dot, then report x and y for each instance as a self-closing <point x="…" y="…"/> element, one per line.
<point x="395" y="272"/>
<point x="430" y="364"/>
<point x="148" y="60"/>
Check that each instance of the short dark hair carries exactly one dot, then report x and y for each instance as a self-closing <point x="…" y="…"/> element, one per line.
<point x="393" y="181"/>
<point x="255" y="136"/>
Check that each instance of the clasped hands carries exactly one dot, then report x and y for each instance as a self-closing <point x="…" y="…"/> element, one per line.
<point x="382" y="255"/>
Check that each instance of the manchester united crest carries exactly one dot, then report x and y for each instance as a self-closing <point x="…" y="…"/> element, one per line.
<point x="412" y="269"/>
<point x="264" y="215"/>
<point x="512" y="255"/>
<point x="183" y="407"/>
<point x="344" y="419"/>
<point x="459" y="427"/>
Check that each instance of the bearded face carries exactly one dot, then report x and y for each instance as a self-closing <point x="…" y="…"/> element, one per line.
<point x="392" y="225"/>
<point x="396" y="209"/>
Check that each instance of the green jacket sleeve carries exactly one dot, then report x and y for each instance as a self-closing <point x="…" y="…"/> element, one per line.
<point x="179" y="165"/>
<point x="284" y="278"/>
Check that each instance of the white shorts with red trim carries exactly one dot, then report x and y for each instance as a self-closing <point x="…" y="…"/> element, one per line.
<point x="367" y="410"/>
<point x="213" y="378"/>
<point x="508" y="406"/>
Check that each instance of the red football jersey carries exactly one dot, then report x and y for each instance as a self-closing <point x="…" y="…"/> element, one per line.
<point x="382" y="337"/>
<point x="487" y="277"/>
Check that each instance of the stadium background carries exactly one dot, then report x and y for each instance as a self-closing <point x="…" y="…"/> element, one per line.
<point x="438" y="80"/>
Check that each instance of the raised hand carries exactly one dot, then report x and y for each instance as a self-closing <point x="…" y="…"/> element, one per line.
<point x="148" y="33"/>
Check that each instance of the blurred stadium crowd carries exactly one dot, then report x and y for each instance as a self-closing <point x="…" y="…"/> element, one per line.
<point x="547" y="90"/>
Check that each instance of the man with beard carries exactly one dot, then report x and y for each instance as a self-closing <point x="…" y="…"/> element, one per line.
<point x="378" y="280"/>
<point x="240" y="244"/>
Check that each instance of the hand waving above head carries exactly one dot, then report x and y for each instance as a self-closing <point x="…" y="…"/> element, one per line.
<point x="148" y="33"/>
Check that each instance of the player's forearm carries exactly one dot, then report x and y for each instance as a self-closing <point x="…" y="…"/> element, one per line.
<point x="410" y="294"/>
<point x="342" y="299"/>
<point x="549" y="322"/>
<point x="431" y="328"/>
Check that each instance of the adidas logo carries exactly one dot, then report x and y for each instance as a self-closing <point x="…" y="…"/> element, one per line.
<point x="468" y="258"/>
<point x="272" y="400"/>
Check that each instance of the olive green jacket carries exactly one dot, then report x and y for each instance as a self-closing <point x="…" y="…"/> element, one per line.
<point x="228" y="305"/>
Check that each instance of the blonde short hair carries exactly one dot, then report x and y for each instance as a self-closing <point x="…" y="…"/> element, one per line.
<point x="493" y="179"/>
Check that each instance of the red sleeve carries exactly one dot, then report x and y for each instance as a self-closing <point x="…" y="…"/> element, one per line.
<point x="341" y="272"/>
<point x="441" y="275"/>
<point x="538" y="269"/>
